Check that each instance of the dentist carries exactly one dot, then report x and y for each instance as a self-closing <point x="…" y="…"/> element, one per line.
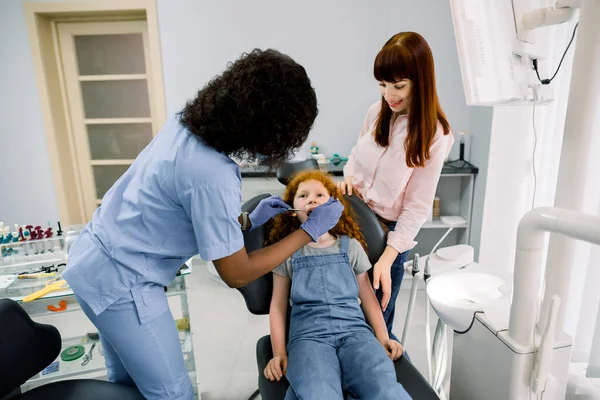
<point x="396" y="163"/>
<point x="182" y="197"/>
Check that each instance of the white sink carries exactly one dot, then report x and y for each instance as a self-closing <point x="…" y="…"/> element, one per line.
<point x="456" y="296"/>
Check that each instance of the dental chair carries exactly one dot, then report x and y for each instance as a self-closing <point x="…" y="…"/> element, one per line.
<point x="290" y="168"/>
<point x="258" y="299"/>
<point x="27" y="347"/>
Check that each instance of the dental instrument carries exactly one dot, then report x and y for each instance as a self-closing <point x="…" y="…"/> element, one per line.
<point x="54" y="285"/>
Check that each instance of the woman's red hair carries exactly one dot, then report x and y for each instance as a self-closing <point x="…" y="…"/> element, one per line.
<point x="286" y="223"/>
<point x="408" y="56"/>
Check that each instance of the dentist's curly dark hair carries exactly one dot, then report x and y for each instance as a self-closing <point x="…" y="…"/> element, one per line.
<point x="261" y="107"/>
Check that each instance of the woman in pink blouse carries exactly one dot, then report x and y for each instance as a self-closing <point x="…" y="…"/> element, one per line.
<point x="396" y="163"/>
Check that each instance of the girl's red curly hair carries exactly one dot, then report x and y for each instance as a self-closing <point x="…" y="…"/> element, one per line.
<point x="286" y="223"/>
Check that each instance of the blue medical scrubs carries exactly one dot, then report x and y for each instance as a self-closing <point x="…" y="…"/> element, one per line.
<point x="179" y="198"/>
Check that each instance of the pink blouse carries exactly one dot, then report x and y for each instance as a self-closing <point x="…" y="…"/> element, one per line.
<point x="391" y="188"/>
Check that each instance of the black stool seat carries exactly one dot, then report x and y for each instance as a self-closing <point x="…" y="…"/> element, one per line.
<point x="27" y="347"/>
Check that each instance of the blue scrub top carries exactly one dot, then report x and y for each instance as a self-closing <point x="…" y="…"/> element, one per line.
<point x="179" y="198"/>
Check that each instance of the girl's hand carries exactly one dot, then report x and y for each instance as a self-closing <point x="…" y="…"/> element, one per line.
<point x="382" y="275"/>
<point x="393" y="349"/>
<point x="346" y="186"/>
<point x="276" y="368"/>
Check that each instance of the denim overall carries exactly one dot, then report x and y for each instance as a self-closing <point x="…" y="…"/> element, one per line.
<point x="332" y="351"/>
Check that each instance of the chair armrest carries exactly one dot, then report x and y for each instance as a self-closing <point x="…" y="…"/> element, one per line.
<point x="413" y="381"/>
<point x="268" y="390"/>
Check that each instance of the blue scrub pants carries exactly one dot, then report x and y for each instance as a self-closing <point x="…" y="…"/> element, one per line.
<point x="147" y="356"/>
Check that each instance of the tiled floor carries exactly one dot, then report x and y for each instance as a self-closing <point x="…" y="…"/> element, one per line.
<point x="225" y="334"/>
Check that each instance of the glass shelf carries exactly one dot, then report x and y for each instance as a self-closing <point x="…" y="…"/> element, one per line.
<point x="40" y="306"/>
<point x="439" y="224"/>
<point x="28" y="288"/>
<point x="69" y="369"/>
<point x="19" y="288"/>
<point x="16" y="267"/>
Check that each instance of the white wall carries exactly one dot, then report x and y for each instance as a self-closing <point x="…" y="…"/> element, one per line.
<point x="588" y="310"/>
<point x="477" y="152"/>
<point x="433" y="20"/>
<point x="335" y="40"/>
<point x="26" y="186"/>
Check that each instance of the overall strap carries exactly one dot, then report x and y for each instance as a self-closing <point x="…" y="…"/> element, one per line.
<point x="297" y="254"/>
<point x="344" y="240"/>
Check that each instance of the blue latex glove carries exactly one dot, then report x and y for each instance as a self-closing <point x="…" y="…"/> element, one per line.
<point x="267" y="209"/>
<point x="323" y="218"/>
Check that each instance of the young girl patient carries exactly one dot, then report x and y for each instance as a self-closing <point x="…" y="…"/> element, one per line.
<point x="331" y="349"/>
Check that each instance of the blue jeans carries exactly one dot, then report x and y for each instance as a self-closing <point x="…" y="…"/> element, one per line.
<point x="146" y="355"/>
<point x="355" y="364"/>
<point x="397" y="273"/>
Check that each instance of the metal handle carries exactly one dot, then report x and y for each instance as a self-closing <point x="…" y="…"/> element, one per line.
<point x="415" y="264"/>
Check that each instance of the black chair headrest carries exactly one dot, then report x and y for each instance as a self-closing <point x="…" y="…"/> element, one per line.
<point x="26" y="347"/>
<point x="286" y="172"/>
<point x="257" y="294"/>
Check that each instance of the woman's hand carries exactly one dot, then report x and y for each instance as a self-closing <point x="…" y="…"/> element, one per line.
<point x="267" y="209"/>
<point x="346" y="186"/>
<point x="277" y="367"/>
<point x="393" y="349"/>
<point x="382" y="275"/>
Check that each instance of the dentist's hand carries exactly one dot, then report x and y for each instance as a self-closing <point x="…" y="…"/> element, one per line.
<point x="323" y="218"/>
<point x="267" y="209"/>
